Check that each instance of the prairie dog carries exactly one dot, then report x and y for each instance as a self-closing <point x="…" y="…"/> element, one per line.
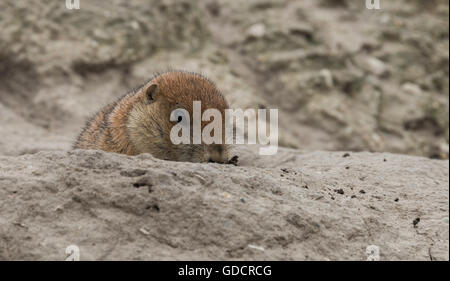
<point x="139" y="122"/>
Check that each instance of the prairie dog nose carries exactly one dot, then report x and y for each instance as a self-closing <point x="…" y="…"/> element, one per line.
<point x="217" y="153"/>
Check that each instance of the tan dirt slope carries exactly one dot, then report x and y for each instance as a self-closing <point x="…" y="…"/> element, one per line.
<point x="302" y="206"/>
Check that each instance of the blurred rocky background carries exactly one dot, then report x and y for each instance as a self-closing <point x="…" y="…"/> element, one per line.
<point x="343" y="77"/>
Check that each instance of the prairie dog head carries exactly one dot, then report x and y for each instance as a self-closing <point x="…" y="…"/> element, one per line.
<point x="168" y="100"/>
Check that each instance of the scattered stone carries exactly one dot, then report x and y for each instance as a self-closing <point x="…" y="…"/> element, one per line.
<point x="416" y="221"/>
<point x="20" y="224"/>
<point x="144" y="231"/>
<point x="339" y="191"/>
<point x="225" y="195"/>
<point x="373" y="66"/>
<point x="256" y="31"/>
<point x="327" y="77"/>
<point x="411" y="89"/>
<point x="200" y="178"/>
<point x="256" y="247"/>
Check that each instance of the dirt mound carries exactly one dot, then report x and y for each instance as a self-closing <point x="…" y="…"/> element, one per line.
<point x="313" y="206"/>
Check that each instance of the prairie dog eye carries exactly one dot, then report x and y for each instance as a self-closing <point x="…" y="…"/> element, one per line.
<point x="180" y="116"/>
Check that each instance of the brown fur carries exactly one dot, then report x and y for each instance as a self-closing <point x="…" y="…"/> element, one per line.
<point x="134" y="124"/>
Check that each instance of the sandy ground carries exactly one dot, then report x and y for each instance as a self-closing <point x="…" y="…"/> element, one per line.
<point x="344" y="78"/>
<point x="298" y="206"/>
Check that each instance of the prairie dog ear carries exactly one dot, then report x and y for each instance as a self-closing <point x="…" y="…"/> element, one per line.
<point x="151" y="93"/>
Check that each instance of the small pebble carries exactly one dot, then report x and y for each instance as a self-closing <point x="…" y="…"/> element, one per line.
<point x="416" y="221"/>
<point x="143" y="230"/>
<point x="339" y="191"/>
